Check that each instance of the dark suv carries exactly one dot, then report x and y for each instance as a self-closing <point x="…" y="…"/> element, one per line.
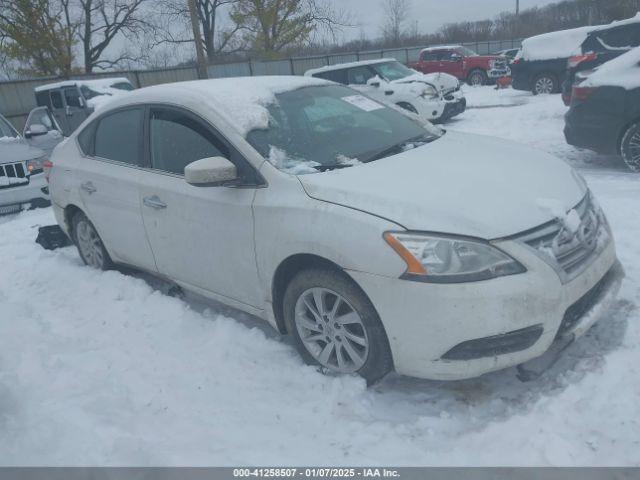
<point x="601" y="45"/>
<point x="605" y="109"/>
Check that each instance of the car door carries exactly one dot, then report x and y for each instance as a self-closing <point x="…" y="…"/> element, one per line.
<point x="58" y="110"/>
<point x="201" y="236"/>
<point x="451" y="63"/>
<point x="108" y="179"/>
<point x="430" y="62"/>
<point x="44" y="141"/>
<point x="74" y="107"/>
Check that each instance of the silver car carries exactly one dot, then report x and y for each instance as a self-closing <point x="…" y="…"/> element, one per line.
<point x="22" y="176"/>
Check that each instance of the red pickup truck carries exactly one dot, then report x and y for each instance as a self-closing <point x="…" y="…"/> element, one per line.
<point x="463" y="63"/>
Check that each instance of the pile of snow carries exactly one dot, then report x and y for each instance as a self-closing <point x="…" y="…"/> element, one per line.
<point x="623" y="71"/>
<point x="549" y="46"/>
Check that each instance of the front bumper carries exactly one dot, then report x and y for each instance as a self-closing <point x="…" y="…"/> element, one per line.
<point x="453" y="108"/>
<point x="426" y="321"/>
<point x="35" y="193"/>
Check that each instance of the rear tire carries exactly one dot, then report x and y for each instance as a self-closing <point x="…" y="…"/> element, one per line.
<point x="335" y="326"/>
<point x="477" y="78"/>
<point x="89" y="243"/>
<point x="545" y="84"/>
<point x="630" y="147"/>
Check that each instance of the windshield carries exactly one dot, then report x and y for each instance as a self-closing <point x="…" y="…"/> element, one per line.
<point x="466" y="52"/>
<point x="322" y="128"/>
<point x="6" y="130"/>
<point x="391" y="71"/>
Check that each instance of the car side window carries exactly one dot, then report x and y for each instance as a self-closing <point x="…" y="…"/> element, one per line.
<point x="72" y="97"/>
<point x="429" y="57"/>
<point x="338" y="76"/>
<point x="360" y="75"/>
<point x="56" y="99"/>
<point x="119" y="136"/>
<point x="621" y="37"/>
<point x="446" y="56"/>
<point x="177" y="139"/>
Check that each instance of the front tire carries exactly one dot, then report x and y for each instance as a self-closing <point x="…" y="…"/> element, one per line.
<point x="478" y="78"/>
<point x="335" y="326"/>
<point x="630" y="147"/>
<point x="545" y="84"/>
<point x="89" y="243"/>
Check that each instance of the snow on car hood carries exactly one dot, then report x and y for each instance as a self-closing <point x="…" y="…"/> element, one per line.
<point x="16" y="149"/>
<point x="442" y="81"/>
<point x="461" y="184"/>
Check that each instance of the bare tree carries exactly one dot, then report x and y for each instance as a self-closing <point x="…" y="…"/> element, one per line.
<point x="215" y="38"/>
<point x="396" y="14"/>
<point x="102" y="21"/>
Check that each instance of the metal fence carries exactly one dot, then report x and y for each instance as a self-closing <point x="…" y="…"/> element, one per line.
<point x="17" y="97"/>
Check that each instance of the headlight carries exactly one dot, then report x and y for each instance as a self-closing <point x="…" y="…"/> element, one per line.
<point x="440" y="259"/>
<point x="36" y="165"/>
<point x="429" y="92"/>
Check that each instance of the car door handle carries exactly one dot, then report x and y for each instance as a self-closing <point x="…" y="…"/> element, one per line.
<point x="88" y="187"/>
<point x="154" y="202"/>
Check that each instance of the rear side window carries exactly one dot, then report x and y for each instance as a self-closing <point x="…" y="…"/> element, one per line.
<point x="85" y="138"/>
<point x="177" y="139"/>
<point x="338" y="76"/>
<point x="360" y="75"/>
<point x="621" y="37"/>
<point x="56" y="99"/>
<point x="119" y="136"/>
<point x="72" y="96"/>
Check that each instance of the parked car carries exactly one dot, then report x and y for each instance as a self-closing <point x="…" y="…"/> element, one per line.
<point x="601" y="45"/>
<point x="605" y="109"/>
<point x="463" y="63"/>
<point x="541" y="64"/>
<point x="378" y="242"/>
<point x="22" y="179"/>
<point x="71" y="102"/>
<point x="436" y="97"/>
<point x="510" y="53"/>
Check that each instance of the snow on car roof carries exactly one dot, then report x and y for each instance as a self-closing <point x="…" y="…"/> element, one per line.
<point x="623" y="71"/>
<point x="564" y="43"/>
<point x="340" y="66"/>
<point x="441" y="47"/>
<point x="240" y="101"/>
<point x="94" y="83"/>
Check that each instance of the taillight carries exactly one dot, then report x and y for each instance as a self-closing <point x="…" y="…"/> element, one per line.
<point x="47" y="166"/>
<point x="582" y="93"/>
<point x="576" y="60"/>
<point x="515" y="61"/>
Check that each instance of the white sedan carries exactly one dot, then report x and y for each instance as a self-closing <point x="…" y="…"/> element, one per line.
<point x="434" y="97"/>
<point x="376" y="242"/>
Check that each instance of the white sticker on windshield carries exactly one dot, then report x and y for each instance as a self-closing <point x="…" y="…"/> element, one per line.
<point x="363" y="103"/>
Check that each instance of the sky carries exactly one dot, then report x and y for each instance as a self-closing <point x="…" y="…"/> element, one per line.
<point x="430" y="14"/>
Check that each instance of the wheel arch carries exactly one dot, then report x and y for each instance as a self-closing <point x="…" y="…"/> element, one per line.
<point x="283" y="274"/>
<point x="69" y="212"/>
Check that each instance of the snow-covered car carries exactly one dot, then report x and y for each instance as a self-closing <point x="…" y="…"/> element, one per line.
<point x="378" y="242"/>
<point x="605" y="109"/>
<point x="22" y="178"/>
<point x="72" y="101"/>
<point x="435" y="97"/>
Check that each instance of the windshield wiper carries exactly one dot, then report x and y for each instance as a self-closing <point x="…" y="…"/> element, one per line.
<point x="398" y="148"/>
<point x="334" y="166"/>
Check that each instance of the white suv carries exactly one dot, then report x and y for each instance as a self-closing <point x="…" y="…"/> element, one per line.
<point x="377" y="242"/>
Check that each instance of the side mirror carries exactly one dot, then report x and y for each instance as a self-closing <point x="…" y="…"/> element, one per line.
<point x="210" y="172"/>
<point x="35" y="130"/>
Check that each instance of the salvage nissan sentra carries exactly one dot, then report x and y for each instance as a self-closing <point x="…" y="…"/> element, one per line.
<point x="378" y="242"/>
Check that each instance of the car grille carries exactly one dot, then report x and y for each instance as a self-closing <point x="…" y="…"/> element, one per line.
<point x="570" y="251"/>
<point x="499" y="64"/>
<point x="13" y="175"/>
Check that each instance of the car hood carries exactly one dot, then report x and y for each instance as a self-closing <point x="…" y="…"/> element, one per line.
<point x="17" y="150"/>
<point x="441" y="81"/>
<point x="459" y="184"/>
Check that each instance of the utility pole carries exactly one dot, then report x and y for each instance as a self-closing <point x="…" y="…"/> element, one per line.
<point x="517" y="21"/>
<point x="195" y="24"/>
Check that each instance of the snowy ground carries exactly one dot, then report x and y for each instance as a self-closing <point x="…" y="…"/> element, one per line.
<point x="157" y="380"/>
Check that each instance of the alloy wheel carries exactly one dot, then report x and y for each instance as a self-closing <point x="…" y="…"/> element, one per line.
<point x="476" y="79"/>
<point x="632" y="154"/>
<point x="544" y="85"/>
<point x="331" y="330"/>
<point x="89" y="244"/>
